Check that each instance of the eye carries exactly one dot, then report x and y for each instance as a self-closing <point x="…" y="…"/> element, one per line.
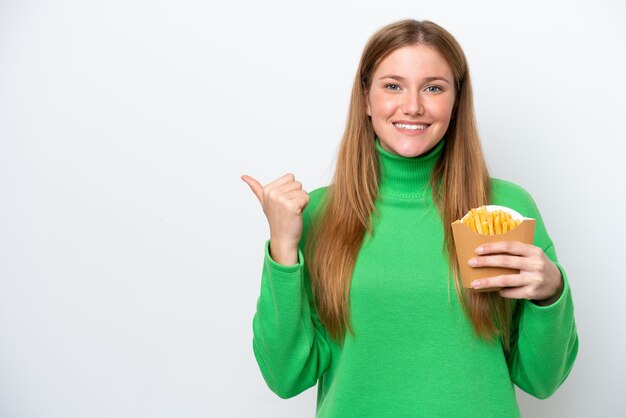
<point x="433" y="89"/>
<point x="392" y="87"/>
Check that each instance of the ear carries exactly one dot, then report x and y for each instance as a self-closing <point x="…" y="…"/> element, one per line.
<point x="367" y="103"/>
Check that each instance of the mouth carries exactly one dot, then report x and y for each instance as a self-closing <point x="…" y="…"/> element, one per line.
<point x="411" y="127"/>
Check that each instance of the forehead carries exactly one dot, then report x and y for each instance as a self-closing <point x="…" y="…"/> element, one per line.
<point x="415" y="61"/>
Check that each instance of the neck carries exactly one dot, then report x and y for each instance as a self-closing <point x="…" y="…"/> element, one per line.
<point x="404" y="176"/>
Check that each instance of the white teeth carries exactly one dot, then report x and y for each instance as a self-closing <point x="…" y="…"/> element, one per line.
<point x="410" y="127"/>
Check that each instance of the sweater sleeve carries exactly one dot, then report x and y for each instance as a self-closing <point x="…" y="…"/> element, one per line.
<point x="544" y="340"/>
<point x="289" y="341"/>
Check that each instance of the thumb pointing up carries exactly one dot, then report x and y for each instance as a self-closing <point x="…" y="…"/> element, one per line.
<point x="256" y="187"/>
<point x="283" y="202"/>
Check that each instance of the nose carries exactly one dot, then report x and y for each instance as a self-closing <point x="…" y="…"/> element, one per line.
<point x="413" y="104"/>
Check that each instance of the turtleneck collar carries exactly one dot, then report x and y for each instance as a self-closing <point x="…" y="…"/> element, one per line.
<point x="404" y="176"/>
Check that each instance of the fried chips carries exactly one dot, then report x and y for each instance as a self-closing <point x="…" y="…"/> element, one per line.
<point x="484" y="222"/>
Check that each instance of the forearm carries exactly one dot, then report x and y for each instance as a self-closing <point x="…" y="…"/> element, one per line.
<point x="290" y="349"/>
<point x="546" y="345"/>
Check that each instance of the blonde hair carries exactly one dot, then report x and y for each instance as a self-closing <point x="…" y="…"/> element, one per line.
<point x="460" y="181"/>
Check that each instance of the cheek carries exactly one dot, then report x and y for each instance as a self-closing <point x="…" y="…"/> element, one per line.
<point x="443" y="109"/>
<point x="382" y="106"/>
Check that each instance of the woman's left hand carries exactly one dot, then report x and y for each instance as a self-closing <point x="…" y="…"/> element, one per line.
<point x="539" y="278"/>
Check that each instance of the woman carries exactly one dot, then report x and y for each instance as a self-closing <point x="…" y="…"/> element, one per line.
<point x="355" y="290"/>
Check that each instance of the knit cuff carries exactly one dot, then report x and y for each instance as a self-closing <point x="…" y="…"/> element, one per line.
<point x="282" y="267"/>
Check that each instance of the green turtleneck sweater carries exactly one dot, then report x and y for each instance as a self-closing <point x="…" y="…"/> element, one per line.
<point x="414" y="353"/>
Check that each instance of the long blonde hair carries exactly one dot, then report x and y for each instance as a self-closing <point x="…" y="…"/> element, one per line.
<point x="460" y="181"/>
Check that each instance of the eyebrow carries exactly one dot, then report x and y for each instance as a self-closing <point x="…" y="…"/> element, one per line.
<point x="427" y="79"/>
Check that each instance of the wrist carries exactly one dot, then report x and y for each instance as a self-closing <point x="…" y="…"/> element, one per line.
<point x="553" y="298"/>
<point x="283" y="253"/>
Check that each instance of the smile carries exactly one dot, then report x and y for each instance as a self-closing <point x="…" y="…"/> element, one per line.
<point x="410" y="127"/>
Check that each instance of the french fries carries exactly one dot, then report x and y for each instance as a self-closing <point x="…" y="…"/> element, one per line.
<point x="490" y="223"/>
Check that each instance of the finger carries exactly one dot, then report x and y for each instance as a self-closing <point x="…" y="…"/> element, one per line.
<point x="515" y="293"/>
<point x="303" y="201"/>
<point x="256" y="187"/>
<point x="279" y="183"/>
<point x="301" y="196"/>
<point x="289" y="187"/>
<point x="511" y="247"/>
<point x="292" y="194"/>
<point x="505" y="280"/>
<point x="283" y="193"/>
<point x="281" y="180"/>
<point x="501" y="260"/>
<point x="298" y="199"/>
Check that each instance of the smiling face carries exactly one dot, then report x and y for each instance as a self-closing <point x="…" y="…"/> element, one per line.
<point x="410" y="100"/>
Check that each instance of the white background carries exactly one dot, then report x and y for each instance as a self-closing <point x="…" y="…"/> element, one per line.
<point x="131" y="251"/>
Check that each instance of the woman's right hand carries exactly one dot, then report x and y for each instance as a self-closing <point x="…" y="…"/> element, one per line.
<point x="283" y="202"/>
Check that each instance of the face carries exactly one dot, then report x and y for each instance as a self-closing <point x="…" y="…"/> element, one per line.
<point x="410" y="100"/>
